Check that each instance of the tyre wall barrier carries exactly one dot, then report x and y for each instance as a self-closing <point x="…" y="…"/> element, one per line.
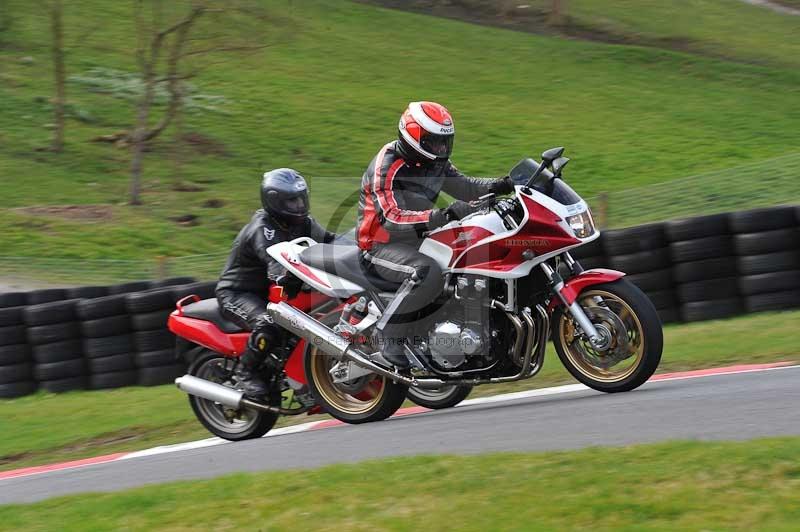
<point x="692" y="269"/>
<point x="90" y="337"/>
<point x="708" y="267"/>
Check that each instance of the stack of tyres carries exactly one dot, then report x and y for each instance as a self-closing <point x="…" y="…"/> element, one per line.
<point x="54" y="332"/>
<point x="767" y="243"/>
<point x="86" y="292"/>
<point x="642" y="253"/>
<point x="16" y="372"/>
<point x="591" y="255"/>
<point x="127" y="288"/>
<point x="172" y="281"/>
<point x="204" y="290"/>
<point x="108" y="343"/>
<point x="155" y="357"/>
<point x="46" y="295"/>
<point x="704" y="269"/>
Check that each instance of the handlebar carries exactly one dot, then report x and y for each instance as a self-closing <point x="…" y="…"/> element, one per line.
<point x="487" y="200"/>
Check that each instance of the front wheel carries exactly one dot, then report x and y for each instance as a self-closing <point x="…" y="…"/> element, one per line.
<point x="630" y="323"/>
<point x="447" y="396"/>
<point x="221" y="420"/>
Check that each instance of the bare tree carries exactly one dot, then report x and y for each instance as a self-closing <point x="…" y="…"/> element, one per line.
<point x="558" y="12"/>
<point x="168" y="53"/>
<point x="57" y="29"/>
<point x="6" y="21"/>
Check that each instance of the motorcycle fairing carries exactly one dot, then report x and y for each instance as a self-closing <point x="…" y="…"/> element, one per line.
<point x="587" y="278"/>
<point x="207" y="334"/>
<point x="288" y="255"/>
<point x="481" y="244"/>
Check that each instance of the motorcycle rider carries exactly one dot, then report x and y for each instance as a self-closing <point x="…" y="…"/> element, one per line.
<point x="243" y="287"/>
<point x="397" y="205"/>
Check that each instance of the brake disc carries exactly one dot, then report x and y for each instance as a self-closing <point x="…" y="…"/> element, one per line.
<point x="611" y="326"/>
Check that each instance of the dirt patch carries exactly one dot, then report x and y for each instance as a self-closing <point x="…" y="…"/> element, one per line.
<point x="112" y="438"/>
<point x="519" y="16"/>
<point x="205" y="144"/>
<point x="81" y="213"/>
<point x="214" y="204"/>
<point x="785" y="7"/>
<point x="187" y="187"/>
<point x="186" y="220"/>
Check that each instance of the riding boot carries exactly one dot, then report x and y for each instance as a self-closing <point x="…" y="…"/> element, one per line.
<point x="392" y="345"/>
<point x="250" y="382"/>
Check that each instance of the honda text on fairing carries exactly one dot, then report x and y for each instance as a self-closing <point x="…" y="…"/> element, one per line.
<point x="510" y="284"/>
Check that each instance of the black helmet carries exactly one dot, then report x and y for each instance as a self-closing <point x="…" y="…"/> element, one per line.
<point x="284" y="195"/>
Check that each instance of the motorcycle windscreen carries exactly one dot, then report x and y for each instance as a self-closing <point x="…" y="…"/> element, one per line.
<point x="562" y="192"/>
<point x="555" y="188"/>
<point x="525" y="170"/>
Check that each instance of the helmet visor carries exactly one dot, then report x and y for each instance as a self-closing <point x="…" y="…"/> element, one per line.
<point x="439" y="145"/>
<point x="296" y="204"/>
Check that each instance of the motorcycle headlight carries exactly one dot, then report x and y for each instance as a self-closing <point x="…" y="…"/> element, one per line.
<point x="582" y="224"/>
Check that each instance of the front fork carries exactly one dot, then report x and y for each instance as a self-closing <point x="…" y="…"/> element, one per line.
<point x="599" y="341"/>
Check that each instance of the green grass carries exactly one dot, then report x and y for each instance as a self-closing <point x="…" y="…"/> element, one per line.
<point x="725" y="28"/>
<point x="670" y="486"/>
<point x="728" y="29"/>
<point x="327" y="93"/>
<point x="48" y="428"/>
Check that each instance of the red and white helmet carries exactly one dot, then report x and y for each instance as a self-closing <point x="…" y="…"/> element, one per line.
<point x="428" y="129"/>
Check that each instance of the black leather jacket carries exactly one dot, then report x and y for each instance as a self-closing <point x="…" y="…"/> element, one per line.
<point x="249" y="267"/>
<point x="398" y="195"/>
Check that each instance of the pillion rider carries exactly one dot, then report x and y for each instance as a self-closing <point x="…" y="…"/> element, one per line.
<point x="243" y="287"/>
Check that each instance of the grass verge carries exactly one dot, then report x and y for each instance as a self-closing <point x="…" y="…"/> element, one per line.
<point x="46" y="428"/>
<point x="671" y="486"/>
<point x="623" y="112"/>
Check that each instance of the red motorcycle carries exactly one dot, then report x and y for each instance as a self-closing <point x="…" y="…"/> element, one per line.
<point x="510" y="284"/>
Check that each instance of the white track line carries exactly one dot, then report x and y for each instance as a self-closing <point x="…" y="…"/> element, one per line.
<point x="540" y="392"/>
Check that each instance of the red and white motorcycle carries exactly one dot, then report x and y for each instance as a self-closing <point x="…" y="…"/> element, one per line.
<point x="509" y="284"/>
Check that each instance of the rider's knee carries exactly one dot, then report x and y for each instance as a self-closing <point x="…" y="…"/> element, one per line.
<point x="428" y="270"/>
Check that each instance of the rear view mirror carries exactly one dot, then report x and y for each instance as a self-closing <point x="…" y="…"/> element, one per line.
<point x="551" y="155"/>
<point x="559" y="165"/>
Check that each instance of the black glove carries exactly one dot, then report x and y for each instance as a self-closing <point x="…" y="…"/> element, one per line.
<point x="504" y="185"/>
<point x="461" y="209"/>
<point x="437" y="219"/>
<point x="456" y="211"/>
<point x="291" y="285"/>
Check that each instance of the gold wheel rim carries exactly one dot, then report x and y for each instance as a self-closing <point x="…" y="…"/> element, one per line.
<point x="585" y="359"/>
<point x="368" y="398"/>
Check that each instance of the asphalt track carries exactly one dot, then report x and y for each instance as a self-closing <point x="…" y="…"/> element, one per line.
<point x="720" y="407"/>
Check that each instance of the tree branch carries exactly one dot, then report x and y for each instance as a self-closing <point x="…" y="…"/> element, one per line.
<point x="173" y="79"/>
<point x="215" y="49"/>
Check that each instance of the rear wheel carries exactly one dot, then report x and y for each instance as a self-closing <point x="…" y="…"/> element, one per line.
<point x="221" y="420"/>
<point x="635" y="339"/>
<point x="447" y="396"/>
<point x="362" y="400"/>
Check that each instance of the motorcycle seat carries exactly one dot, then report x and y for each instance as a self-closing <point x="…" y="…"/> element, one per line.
<point x="208" y="310"/>
<point x="345" y="261"/>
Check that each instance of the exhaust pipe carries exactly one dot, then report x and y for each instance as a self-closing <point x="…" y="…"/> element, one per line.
<point x="321" y="336"/>
<point x="210" y="390"/>
<point x="227" y="396"/>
